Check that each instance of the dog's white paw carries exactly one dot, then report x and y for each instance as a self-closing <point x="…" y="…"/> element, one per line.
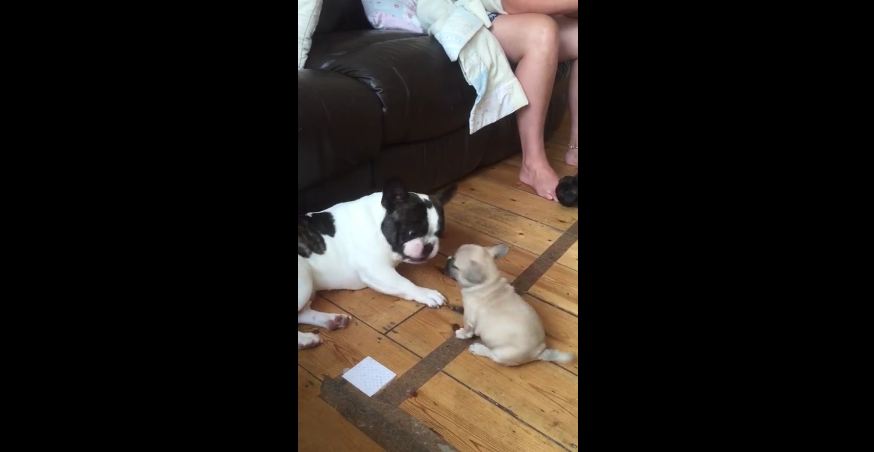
<point x="462" y="333"/>
<point x="430" y="298"/>
<point x="338" y="321"/>
<point x="307" y="340"/>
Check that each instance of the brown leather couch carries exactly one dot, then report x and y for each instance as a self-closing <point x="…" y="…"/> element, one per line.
<point x="376" y="104"/>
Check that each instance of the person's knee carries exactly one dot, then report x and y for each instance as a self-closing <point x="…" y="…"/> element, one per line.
<point x="544" y="34"/>
<point x="573" y="32"/>
<point x="570" y="37"/>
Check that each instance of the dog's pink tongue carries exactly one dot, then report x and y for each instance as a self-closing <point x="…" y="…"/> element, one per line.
<point x="413" y="248"/>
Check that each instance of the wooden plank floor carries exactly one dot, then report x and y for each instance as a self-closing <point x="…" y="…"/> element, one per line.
<point x="473" y="403"/>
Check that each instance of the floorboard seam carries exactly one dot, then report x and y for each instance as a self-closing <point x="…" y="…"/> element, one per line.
<point x="551" y="304"/>
<point x="542" y="263"/>
<point x="404" y="320"/>
<point x="505" y="409"/>
<point x="533" y="220"/>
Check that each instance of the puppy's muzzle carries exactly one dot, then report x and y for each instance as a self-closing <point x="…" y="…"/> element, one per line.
<point x="447" y="270"/>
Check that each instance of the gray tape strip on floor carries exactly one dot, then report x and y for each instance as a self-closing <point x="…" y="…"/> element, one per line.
<point x="387" y="425"/>
<point x="530" y="275"/>
<point x="413" y="379"/>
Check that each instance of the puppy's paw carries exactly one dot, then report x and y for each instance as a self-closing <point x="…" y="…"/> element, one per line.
<point x="338" y="321"/>
<point x="430" y="298"/>
<point x="307" y="340"/>
<point x="479" y="349"/>
<point x="463" y="333"/>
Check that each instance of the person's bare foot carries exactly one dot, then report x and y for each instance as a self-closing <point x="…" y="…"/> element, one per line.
<point x="540" y="177"/>
<point x="572" y="155"/>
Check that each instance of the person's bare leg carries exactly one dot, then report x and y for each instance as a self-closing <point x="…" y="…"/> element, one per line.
<point x="568" y="33"/>
<point x="572" y="156"/>
<point x="540" y="6"/>
<point x="532" y="41"/>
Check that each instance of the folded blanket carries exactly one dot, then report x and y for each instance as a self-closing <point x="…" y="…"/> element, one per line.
<point x="461" y="27"/>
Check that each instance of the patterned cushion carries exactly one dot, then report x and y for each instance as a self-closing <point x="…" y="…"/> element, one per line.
<point x="392" y="14"/>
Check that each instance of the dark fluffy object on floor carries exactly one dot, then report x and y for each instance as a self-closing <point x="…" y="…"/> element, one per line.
<point x="566" y="191"/>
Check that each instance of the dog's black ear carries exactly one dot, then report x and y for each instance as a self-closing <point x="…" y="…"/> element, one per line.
<point x="445" y="195"/>
<point x="393" y="194"/>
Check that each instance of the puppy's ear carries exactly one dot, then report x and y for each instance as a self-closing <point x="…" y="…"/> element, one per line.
<point x="474" y="274"/>
<point x="498" y="250"/>
<point x="393" y="194"/>
<point x="443" y="196"/>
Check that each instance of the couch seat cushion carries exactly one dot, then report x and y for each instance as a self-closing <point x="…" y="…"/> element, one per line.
<point x="422" y="94"/>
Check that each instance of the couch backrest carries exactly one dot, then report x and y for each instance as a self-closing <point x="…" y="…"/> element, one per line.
<point x="342" y="15"/>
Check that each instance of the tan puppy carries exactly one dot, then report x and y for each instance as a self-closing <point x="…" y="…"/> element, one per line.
<point x="510" y="330"/>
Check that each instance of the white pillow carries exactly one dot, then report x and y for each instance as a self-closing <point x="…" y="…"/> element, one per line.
<point x="392" y="14"/>
<point x="308" y="12"/>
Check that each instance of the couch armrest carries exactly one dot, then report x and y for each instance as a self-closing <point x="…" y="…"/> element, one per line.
<point x="339" y="126"/>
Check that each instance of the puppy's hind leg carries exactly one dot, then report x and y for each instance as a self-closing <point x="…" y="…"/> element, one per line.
<point x="479" y="349"/>
<point x="507" y="356"/>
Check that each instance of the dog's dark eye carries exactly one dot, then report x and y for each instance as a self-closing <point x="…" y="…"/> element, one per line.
<point x="411" y="234"/>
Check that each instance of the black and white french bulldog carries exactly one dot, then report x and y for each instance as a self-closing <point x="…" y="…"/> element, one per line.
<point x="358" y="244"/>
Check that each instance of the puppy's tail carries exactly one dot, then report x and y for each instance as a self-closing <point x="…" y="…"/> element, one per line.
<point x="555" y="355"/>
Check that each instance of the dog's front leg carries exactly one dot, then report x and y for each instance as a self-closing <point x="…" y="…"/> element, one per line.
<point x="467" y="331"/>
<point x="464" y="333"/>
<point x="390" y="282"/>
